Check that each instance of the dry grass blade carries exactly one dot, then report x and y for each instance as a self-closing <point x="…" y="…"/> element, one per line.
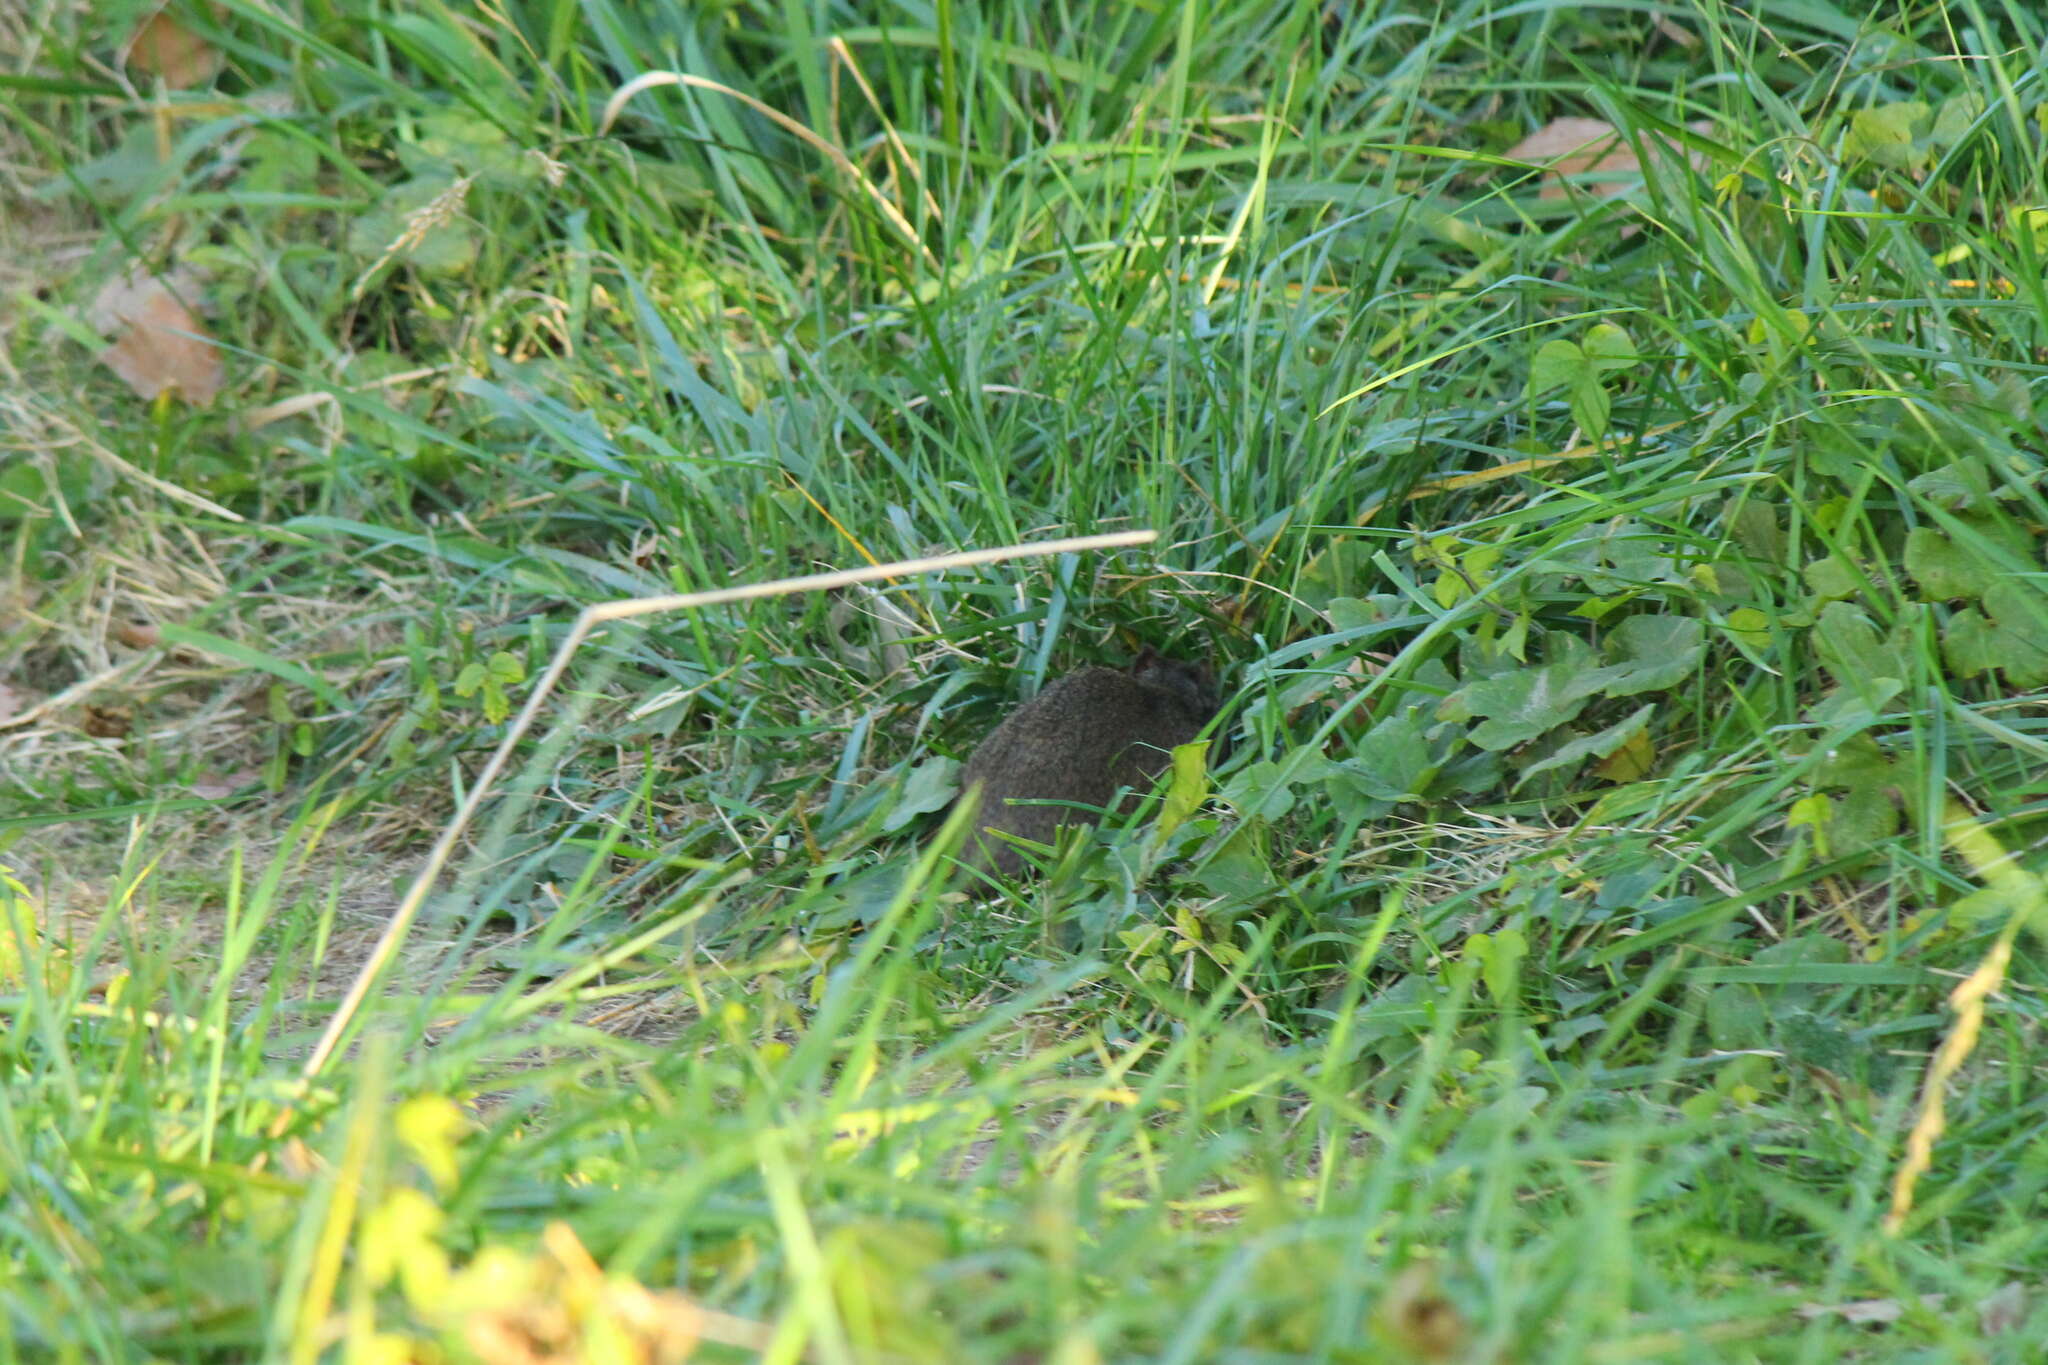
<point x="2023" y="892"/>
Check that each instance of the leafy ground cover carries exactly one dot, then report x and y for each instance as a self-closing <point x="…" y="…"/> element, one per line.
<point x="1599" y="449"/>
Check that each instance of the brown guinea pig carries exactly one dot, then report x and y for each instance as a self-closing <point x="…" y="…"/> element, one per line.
<point x="1086" y="735"/>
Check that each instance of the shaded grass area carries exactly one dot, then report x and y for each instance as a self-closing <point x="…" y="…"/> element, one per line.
<point x="1624" y="582"/>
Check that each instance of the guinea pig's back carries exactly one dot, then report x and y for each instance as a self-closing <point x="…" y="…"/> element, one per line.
<point x="1086" y="735"/>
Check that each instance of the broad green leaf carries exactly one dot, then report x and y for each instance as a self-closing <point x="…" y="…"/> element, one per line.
<point x="1607" y="347"/>
<point x="1557" y="362"/>
<point x="1742" y="1016"/>
<point x="1500" y="957"/>
<point x="1392" y="762"/>
<point x="1953" y="119"/>
<point x="1265" y="790"/>
<point x="1591" y="407"/>
<point x="1352" y="613"/>
<point x="1814" y="1040"/>
<point x="930" y="786"/>
<point x="1963" y="484"/>
<point x="2021" y="608"/>
<point x="1832" y="578"/>
<point x="1236" y="870"/>
<point x="1629" y="763"/>
<point x="1529" y="702"/>
<point x="2020" y="642"/>
<point x="1863" y="818"/>
<point x="135" y="166"/>
<point x="25" y="483"/>
<point x="1189" y="787"/>
<point x="1257" y="793"/>
<point x="1342" y="568"/>
<point x="1943" y="567"/>
<point x="1855" y="762"/>
<point x="1969" y="643"/>
<point x="2001" y="901"/>
<point x="1755" y="528"/>
<point x="1598" y="745"/>
<point x="459" y="142"/>
<point x="1855" y="705"/>
<point x="1750" y="626"/>
<point x="1809" y="812"/>
<point x="1852" y="648"/>
<point x="1448" y="590"/>
<point x="1654" y="653"/>
<point x="275" y="163"/>
<point x="1736" y="1020"/>
<point x="1889" y="134"/>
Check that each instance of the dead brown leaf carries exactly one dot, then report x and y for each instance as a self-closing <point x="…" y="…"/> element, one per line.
<point x="158" y="344"/>
<point x="1683" y="37"/>
<point x="218" y="787"/>
<point x="1575" y="146"/>
<point x="2004" y="1311"/>
<point x="1867" y="1312"/>
<point x="1419" y="1319"/>
<point x="1566" y="137"/>
<point x="107" y="722"/>
<point x="557" y="1304"/>
<point x="162" y="46"/>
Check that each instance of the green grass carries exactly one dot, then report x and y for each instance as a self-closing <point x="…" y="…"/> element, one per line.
<point x="1555" y="969"/>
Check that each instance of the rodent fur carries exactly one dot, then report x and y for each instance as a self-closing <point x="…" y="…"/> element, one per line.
<point x="1086" y="735"/>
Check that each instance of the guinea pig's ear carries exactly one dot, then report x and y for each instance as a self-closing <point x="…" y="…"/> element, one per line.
<point x="1147" y="658"/>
